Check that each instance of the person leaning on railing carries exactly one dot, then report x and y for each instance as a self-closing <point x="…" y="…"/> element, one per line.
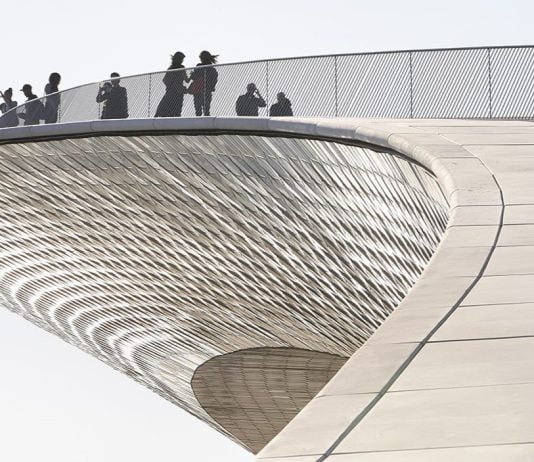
<point x="114" y="97"/>
<point x="204" y="79"/>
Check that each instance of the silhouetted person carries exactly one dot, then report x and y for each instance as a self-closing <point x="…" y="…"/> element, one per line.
<point x="173" y="100"/>
<point x="51" y="105"/>
<point x="114" y="97"/>
<point x="33" y="109"/>
<point x="204" y="79"/>
<point x="248" y="104"/>
<point x="282" y="108"/>
<point x="11" y="119"/>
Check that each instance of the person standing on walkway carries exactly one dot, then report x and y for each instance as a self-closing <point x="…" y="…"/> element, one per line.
<point x="33" y="109"/>
<point x="114" y="97"/>
<point x="248" y="104"/>
<point x="11" y="119"/>
<point x="173" y="99"/>
<point x="51" y="106"/>
<point x="204" y="79"/>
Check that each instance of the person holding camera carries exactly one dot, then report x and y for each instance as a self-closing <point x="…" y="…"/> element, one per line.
<point x="114" y="97"/>
<point x="248" y="104"/>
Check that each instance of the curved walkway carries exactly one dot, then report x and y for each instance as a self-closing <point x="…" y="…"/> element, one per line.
<point x="450" y="374"/>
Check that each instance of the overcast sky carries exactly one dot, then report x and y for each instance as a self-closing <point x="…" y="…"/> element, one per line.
<point x="60" y="405"/>
<point x="85" y="41"/>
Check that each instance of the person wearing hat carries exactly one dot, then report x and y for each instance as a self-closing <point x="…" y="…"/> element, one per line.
<point x="11" y="119"/>
<point x="33" y="107"/>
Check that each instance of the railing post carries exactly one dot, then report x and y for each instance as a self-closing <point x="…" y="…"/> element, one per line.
<point x="59" y="115"/>
<point x="149" y="94"/>
<point x="98" y="105"/>
<point x="411" y="84"/>
<point x="204" y="89"/>
<point x="490" y="84"/>
<point x="336" y="111"/>
<point x="267" y="86"/>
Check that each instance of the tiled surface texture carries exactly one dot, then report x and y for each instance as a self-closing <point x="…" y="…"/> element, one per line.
<point x="255" y="264"/>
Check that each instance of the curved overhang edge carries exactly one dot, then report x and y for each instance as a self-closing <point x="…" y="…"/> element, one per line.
<point x="366" y="132"/>
<point x="371" y="373"/>
<point x="466" y="183"/>
<point x="395" y="136"/>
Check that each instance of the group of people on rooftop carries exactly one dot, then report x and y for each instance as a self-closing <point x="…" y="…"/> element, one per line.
<point x="113" y="98"/>
<point x="248" y="103"/>
<point x="35" y="110"/>
<point x="200" y="83"/>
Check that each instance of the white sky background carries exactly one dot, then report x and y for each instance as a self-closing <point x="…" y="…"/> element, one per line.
<point x="60" y="405"/>
<point x="86" y="41"/>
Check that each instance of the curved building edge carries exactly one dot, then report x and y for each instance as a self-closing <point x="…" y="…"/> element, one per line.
<point x="449" y="374"/>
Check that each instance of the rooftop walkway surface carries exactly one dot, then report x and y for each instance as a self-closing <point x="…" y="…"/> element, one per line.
<point x="450" y="374"/>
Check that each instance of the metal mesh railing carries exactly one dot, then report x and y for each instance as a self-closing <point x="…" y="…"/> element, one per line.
<point x="487" y="83"/>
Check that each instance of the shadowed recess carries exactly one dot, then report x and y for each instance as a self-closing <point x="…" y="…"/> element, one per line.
<point x="254" y="393"/>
